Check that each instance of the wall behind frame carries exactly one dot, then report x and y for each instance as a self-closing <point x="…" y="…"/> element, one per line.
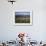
<point x="9" y="31"/>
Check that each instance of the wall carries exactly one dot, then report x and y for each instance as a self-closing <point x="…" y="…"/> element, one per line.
<point x="9" y="31"/>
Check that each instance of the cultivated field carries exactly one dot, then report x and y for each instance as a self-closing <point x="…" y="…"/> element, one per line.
<point x="22" y="19"/>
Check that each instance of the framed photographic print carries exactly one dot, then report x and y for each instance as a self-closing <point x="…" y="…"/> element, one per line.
<point x="23" y="18"/>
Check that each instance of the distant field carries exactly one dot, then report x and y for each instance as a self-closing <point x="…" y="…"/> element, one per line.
<point x="22" y="19"/>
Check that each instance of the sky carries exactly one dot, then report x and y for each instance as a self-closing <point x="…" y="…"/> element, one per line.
<point x="22" y="13"/>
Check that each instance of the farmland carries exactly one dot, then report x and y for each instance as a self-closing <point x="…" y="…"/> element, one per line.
<point x="22" y="19"/>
